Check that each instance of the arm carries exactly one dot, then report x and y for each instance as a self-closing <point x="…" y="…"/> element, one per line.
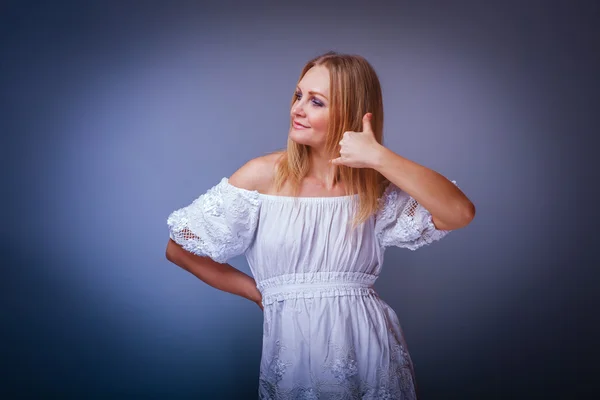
<point x="448" y="205"/>
<point x="256" y="174"/>
<point x="220" y="276"/>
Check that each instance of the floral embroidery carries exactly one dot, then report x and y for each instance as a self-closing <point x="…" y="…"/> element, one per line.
<point x="309" y="394"/>
<point x="277" y="367"/>
<point x="344" y="369"/>
<point x="399" y="354"/>
<point x="392" y="382"/>
<point x="219" y="224"/>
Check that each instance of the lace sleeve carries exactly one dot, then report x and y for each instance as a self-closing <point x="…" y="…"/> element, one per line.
<point x="219" y="224"/>
<point x="401" y="221"/>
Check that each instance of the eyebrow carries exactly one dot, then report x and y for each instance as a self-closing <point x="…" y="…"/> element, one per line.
<point x="313" y="92"/>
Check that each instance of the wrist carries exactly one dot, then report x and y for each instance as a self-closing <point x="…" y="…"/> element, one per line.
<point x="254" y="295"/>
<point x="378" y="157"/>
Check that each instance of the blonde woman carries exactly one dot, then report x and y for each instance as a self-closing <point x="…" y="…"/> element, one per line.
<point x="314" y="221"/>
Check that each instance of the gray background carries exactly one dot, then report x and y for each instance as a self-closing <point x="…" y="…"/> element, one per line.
<point x="114" y="114"/>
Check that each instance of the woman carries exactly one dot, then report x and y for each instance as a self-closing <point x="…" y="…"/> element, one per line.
<point x="314" y="221"/>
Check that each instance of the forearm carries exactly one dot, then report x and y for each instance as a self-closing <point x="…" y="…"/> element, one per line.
<point x="438" y="195"/>
<point x="220" y="276"/>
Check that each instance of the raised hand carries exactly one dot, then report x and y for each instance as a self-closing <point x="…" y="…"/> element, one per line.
<point x="358" y="149"/>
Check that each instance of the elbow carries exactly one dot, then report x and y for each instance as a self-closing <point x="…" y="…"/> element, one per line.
<point x="171" y="251"/>
<point x="468" y="213"/>
<point x="462" y="216"/>
<point x="459" y="217"/>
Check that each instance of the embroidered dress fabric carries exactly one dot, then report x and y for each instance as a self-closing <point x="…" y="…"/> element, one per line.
<point x="326" y="332"/>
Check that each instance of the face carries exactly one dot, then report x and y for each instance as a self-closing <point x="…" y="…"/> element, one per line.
<point x="310" y="111"/>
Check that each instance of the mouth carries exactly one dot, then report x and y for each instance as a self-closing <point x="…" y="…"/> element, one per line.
<point x="298" y="125"/>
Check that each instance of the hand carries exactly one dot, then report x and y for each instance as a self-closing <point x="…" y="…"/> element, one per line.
<point x="259" y="303"/>
<point x="358" y="149"/>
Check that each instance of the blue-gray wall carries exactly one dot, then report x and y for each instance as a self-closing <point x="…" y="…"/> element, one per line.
<point x="114" y="114"/>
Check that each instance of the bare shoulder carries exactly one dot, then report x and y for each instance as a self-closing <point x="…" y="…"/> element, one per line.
<point x="257" y="174"/>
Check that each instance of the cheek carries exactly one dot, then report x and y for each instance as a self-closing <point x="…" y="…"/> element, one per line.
<point x="320" y="121"/>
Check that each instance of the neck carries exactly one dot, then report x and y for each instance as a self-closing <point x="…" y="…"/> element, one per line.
<point x="321" y="170"/>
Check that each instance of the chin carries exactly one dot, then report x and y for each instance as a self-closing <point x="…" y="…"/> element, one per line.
<point x="307" y="137"/>
<point x="298" y="138"/>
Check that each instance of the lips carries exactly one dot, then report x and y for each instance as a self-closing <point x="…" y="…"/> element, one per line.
<point x="299" y="125"/>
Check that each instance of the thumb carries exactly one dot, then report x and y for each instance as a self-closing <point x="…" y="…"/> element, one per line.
<point x="367" y="123"/>
<point x="336" y="161"/>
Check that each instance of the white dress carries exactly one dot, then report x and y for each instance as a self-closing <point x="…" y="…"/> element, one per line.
<point x="326" y="332"/>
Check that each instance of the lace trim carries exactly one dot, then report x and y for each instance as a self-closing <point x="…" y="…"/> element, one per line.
<point x="219" y="224"/>
<point x="404" y="222"/>
<point x="317" y="277"/>
<point x="311" y="293"/>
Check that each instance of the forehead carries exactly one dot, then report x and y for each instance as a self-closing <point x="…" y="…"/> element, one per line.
<point x="316" y="78"/>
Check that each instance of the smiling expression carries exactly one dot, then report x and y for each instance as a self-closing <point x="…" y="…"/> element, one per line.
<point x="310" y="110"/>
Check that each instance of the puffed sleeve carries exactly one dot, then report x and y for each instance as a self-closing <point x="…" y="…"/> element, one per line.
<point x="401" y="221"/>
<point x="219" y="224"/>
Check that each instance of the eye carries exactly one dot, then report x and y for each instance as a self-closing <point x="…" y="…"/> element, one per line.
<point x="315" y="101"/>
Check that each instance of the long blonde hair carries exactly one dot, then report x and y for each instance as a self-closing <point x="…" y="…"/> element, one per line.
<point x="354" y="90"/>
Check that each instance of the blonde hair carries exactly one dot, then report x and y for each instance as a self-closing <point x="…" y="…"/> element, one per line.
<point x="354" y="91"/>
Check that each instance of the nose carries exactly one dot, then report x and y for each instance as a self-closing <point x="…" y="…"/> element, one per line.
<point x="298" y="109"/>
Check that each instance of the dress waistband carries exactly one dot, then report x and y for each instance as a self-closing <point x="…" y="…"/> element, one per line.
<point x="282" y="288"/>
<point x="317" y="286"/>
